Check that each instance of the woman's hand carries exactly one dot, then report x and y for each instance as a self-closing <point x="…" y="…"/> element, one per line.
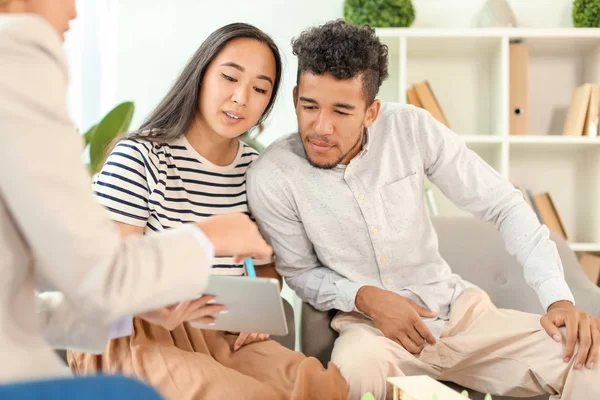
<point x="245" y="338"/>
<point x="195" y="310"/>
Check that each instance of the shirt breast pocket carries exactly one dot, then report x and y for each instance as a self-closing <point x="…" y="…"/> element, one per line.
<point x="402" y="202"/>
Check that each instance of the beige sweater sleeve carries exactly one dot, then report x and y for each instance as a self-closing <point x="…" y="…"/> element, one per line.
<point x="75" y="247"/>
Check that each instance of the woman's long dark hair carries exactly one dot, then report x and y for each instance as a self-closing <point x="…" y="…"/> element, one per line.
<point x="175" y="113"/>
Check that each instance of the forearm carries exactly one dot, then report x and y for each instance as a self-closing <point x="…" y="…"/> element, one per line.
<point x="323" y="288"/>
<point x="64" y="328"/>
<point x="529" y="241"/>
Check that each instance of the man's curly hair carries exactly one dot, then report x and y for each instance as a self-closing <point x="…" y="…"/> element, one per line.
<point x="344" y="51"/>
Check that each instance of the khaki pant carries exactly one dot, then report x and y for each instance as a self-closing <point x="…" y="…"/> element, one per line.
<point x="192" y="364"/>
<point x="490" y="350"/>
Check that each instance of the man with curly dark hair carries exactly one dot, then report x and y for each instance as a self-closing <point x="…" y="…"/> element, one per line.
<point x="342" y="205"/>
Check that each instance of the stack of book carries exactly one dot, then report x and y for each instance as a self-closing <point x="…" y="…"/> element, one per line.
<point x="421" y="95"/>
<point x="583" y="116"/>
<point x="545" y="210"/>
<point x="584" y="110"/>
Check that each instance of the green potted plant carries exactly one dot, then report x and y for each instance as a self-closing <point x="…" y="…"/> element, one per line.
<point x="380" y="13"/>
<point x="586" y="13"/>
<point x="101" y="135"/>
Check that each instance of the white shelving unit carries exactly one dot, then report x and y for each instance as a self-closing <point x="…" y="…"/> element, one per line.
<point x="469" y="74"/>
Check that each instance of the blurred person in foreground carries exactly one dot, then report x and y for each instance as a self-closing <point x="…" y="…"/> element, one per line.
<point x="53" y="230"/>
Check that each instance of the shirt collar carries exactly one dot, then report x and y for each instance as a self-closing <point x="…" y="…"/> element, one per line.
<point x="366" y="140"/>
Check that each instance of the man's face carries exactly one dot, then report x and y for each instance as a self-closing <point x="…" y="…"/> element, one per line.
<point x="332" y="116"/>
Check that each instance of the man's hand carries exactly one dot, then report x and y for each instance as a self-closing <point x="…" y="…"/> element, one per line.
<point x="397" y="317"/>
<point x="247" y="338"/>
<point x="198" y="310"/>
<point x="578" y="324"/>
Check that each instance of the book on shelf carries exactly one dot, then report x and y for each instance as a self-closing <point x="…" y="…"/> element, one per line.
<point x="590" y="264"/>
<point x="421" y="95"/>
<point x="413" y="98"/>
<point x="518" y="88"/>
<point x="584" y="111"/>
<point x="592" y="120"/>
<point x="546" y="211"/>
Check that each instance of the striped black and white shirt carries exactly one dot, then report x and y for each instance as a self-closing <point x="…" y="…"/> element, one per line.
<point x="163" y="185"/>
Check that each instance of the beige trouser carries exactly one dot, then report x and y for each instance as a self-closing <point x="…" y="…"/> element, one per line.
<point x="490" y="350"/>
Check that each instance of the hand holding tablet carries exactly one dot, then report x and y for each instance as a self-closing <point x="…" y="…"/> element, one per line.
<point x="253" y="304"/>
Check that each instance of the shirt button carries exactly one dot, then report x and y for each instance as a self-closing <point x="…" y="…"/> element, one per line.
<point x="374" y="230"/>
<point x="413" y="287"/>
<point x="388" y="280"/>
<point x="361" y="196"/>
<point x="383" y="260"/>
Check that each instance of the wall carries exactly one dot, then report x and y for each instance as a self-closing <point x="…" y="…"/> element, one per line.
<point x="157" y="37"/>
<point x="461" y="13"/>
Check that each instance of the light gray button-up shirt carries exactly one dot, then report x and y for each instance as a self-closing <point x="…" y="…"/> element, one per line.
<point x="334" y="231"/>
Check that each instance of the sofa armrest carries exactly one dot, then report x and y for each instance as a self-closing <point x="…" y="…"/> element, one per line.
<point x="317" y="336"/>
<point x="289" y="340"/>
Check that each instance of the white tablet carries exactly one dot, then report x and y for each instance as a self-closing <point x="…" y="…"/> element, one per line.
<point x="254" y="305"/>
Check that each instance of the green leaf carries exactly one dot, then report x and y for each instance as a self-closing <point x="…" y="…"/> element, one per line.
<point x="89" y="134"/>
<point x="368" y="396"/>
<point x="116" y="122"/>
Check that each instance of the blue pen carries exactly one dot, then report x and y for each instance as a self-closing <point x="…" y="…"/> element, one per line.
<point x="250" y="267"/>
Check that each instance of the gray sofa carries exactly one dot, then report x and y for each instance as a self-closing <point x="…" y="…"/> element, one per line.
<point x="475" y="251"/>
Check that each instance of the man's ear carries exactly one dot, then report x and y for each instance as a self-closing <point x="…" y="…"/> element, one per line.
<point x="372" y="113"/>
<point x="295" y="95"/>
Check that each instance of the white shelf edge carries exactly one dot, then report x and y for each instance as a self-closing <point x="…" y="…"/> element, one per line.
<point x="575" y="140"/>
<point x="582" y="246"/>
<point x="490" y="32"/>
<point x="474" y="139"/>
<point x="551" y="139"/>
<point x="543" y="140"/>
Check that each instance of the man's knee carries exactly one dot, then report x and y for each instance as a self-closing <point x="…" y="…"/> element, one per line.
<point x="366" y="367"/>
